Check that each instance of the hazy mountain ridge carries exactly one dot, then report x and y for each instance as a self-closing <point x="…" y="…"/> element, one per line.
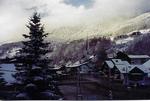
<point x="115" y="27"/>
<point x="72" y="40"/>
<point x="137" y="23"/>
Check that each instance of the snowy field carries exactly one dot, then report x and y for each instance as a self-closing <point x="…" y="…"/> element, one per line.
<point x="8" y="69"/>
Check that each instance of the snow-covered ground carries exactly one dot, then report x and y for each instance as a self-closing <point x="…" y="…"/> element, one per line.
<point x="123" y="41"/>
<point x="129" y="36"/>
<point x="13" y="52"/>
<point x="145" y="31"/>
<point x="8" y="70"/>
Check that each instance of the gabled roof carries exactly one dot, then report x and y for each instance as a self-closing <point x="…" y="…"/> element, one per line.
<point x="126" y="63"/>
<point x="110" y="64"/>
<point x="76" y="64"/>
<point x="147" y="64"/>
<point x="125" y="67"/>
<point x="122" y="68"/>
<point x="117" y="61"/>
<point x="141" y="67"/>
<point x="138" y="56"/>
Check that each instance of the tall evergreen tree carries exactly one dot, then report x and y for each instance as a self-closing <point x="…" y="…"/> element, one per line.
<point x="34" y="74"/>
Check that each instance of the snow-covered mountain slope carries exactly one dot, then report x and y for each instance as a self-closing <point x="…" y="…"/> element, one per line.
<point x="137" y="23"/>
<point x="123" y="42"/>
<point x="9" y="49"/>
<point x="76" y="32"/>
<point x="114" y="27"/>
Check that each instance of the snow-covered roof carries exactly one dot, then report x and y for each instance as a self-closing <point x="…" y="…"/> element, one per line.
<point x="110" y="64"/>
<point x="122" y="68"/>
<point x="127" y="69"/>
<point x="125" y="66"/>
<point x="69" y="63"/>
<point x="117" y="61"/>
<point x="139" y="56"/>
<point x="141" y="67"/>
<point x="126" y="63"/>
<point x="76" y="64"/>
<point x="147" y="64"/>
<point x="56" y="67"/>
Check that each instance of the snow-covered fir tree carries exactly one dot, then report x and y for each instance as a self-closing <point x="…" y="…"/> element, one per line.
<point x="35" y="78"/>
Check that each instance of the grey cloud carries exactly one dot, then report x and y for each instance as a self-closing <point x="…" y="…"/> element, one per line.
<point x="64" y="12"/>
<point x="77" y="3"/>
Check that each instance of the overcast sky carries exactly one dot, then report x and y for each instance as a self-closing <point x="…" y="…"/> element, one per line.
<point x="14" y="14"/>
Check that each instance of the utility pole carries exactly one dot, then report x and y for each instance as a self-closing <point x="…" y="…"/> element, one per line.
<point x="79" y="95"/>
<point x="110" y="90"/>
<point x="126" y="83"/>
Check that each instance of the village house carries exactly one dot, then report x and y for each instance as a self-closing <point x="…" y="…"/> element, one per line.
<point x="129" y="73"/>
<point x="115" y="68"/>
<point x="138" y="59"/>
<point x="137" y="75"/>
